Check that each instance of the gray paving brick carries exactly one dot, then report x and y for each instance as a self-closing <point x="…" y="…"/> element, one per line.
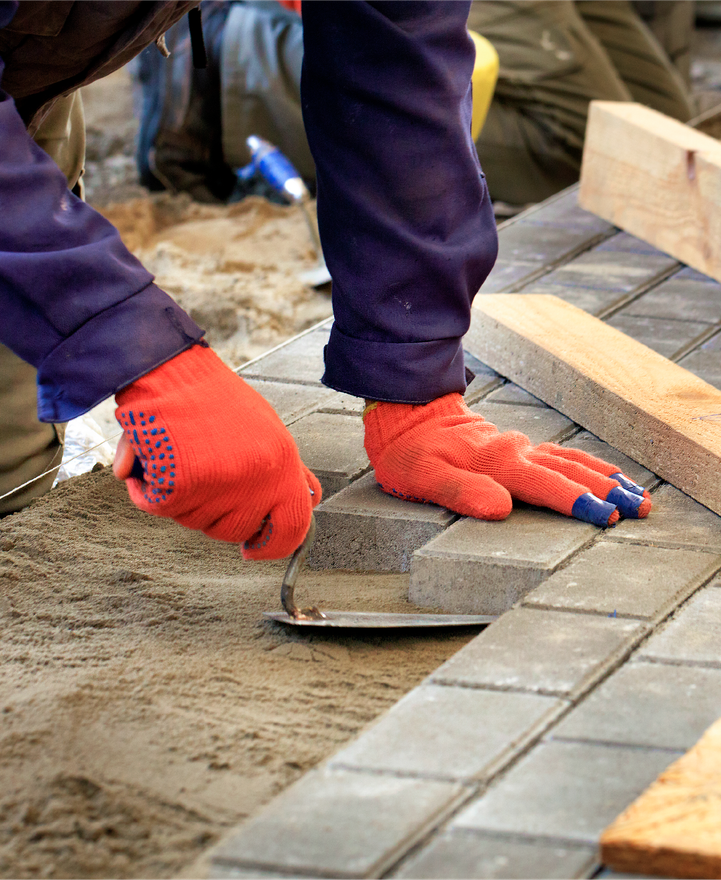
<point x="342" y="404"/>
<point x="693" y="635"/>
<point x="705" y="361"/>
<point x="332" y="447"/>
<point x="450" y="732"/>
<point x="675" y="521"/>
<point x="589" y="443"/>
<point x="480" y="567"/>
<point x="364" y="529"/>
<point x="566" y="790"/>
<point x="680" y="298"/>
<point x="540" y="424"/>
<point x="618" y="271"/>
<point x="511" y="393"/>
<point x="689" y="274"/>
<point x="622" y="241"/>
<point x="666" y="337"/>
<point x="538" y="243"/>
<point x="301" y="361"/>
<point x="563" y="210"/>
<point x="648" y="704"/>
<point x="595" y="302"/>
<point x="485" y="379"/>
<point x="628" y="579"/>
<point x="507" y="276"/>
<point x="340" y="823"/>
<point x="220" y="871"/>
<point x="468" y="854"/>
<point x="553" y="652"/>
<point x="292" y="402"/>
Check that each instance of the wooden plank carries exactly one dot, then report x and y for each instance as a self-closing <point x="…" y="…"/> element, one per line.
<point x="638" y="401"/>
<point x="674" y="828"/>
<point x="655" y="178"/>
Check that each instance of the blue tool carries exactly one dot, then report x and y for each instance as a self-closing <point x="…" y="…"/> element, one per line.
<point x="277" y="170"/>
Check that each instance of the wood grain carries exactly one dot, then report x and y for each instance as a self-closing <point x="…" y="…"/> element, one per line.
<point x="674" y="828"/>
<point x="638" y="401"/>
<point x="655" y="178"/>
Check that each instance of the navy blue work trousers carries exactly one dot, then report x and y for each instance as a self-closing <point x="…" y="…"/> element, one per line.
<point x="405" y="218"/>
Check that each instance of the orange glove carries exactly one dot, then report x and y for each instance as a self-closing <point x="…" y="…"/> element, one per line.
<point x="444" y="453"/>
<point x="202" y="447"/>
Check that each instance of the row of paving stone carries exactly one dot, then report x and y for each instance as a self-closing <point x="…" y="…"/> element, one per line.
<point x="510" y="759"/>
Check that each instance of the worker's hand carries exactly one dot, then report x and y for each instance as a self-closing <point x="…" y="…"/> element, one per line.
<point x="202" y="447"/>
<point x="444" y="453"/>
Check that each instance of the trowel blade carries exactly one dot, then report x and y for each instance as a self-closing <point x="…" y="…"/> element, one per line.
<point x="381" y="620"/>
<point x="315" y="277"/>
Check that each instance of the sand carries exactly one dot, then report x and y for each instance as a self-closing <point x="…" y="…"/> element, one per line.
<point x="146" y="706"/>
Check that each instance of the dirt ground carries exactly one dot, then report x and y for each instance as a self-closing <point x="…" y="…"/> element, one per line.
<point x="146" y="706"/>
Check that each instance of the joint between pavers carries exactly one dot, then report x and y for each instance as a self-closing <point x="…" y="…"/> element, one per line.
<point x="473" y="783"/>
<point x="672" y="661"/>
<point x="611" y="310"/>
<point x="613" y="744"/>
<point x="697" y="342"/>
<point x="499" y="688"/>
<point x="590" y="612"/>
<point x="238" y="864"/>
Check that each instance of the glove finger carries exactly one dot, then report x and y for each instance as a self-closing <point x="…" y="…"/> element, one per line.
<point x="283" y="530"/>
<point x="535" y="484"/>
<point x="462" y="491"/>
<point x="583" y="458"/>
<point x="628" y="503"/>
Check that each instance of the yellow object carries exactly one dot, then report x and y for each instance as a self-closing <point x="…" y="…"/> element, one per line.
<point x="485" y="73"/>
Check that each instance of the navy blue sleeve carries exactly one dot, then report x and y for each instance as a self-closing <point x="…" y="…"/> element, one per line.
<point x="74" y="302"/>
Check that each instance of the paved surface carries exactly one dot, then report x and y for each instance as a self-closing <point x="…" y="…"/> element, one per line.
<point x="511" y="758"/>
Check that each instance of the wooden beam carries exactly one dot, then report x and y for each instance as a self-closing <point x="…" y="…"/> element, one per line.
<point x="638" y="401"/>
<point x="674" y="828"/>
<point x="655" y="178"/>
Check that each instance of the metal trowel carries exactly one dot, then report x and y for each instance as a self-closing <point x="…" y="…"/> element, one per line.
<point x="294" y="616"/>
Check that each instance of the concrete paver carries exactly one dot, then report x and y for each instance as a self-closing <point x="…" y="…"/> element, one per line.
<point x="595" y="302"/>
<point x="566" y="790"/>
<point x="342" y="404"/>
<point x="648" y="704"/>
<point x="332" y="447"/>
<point x="680" y="298"/>
<point x="668" y="338"/>
<point x="508" y="276"/>
<point x="301" y="361"/>
<point x="551" y="652"/>
<point x="364" y="529"/>
<point x="292" y="402"/>
<point x="478" y="567"/>
<point x="340" y="823"/>
<point x="622" y="241"/>
<point x="540" y="423"/>
<point x="693" y="635"/>
<point x="563" y="210"/>
<point x="537" y="243"/>
<point x="620" y="271"/>
<point x="675" y="521"/>
<point x="627" y="579"/>
<point x="485" y="379"/>
<point x="468" y="854"/>
<point x="511" y="393"/>
<point x="454" y="733"/>
<point x="589" y="443"/>
<point x="706" y="361"/>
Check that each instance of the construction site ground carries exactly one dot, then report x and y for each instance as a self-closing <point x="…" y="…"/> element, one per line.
<point x="154" y="725"/>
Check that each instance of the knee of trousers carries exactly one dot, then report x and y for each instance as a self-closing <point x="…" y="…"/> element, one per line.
<point x="28" y="447"/>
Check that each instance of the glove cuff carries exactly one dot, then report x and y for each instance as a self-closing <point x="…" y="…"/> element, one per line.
<point x="385" y="422"/>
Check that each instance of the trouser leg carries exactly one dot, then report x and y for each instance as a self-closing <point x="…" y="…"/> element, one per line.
<point x="29" y="447"/>
<point x="551" y="67"/>
<point x="404" y="214"/>
<point x="641" y="62"/>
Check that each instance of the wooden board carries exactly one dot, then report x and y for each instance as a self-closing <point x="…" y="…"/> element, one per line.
<point x="638" y="401"/>
<point x="674" y="828"/>
<point x="655" y="178"/>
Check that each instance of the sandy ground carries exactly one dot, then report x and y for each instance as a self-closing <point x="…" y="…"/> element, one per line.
<point x="146" y="706"/>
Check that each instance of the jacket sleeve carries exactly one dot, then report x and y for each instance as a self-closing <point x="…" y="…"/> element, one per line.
<point x="74" y="302"/>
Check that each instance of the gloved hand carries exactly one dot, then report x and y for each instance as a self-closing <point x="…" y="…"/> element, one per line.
<point x="444" y="453"/>
<point x="202" y="447"/>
